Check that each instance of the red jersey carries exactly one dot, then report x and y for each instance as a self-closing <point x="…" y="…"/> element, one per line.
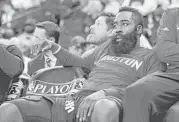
<point x="108" y="70"/>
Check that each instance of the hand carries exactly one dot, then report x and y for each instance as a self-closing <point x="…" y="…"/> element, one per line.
<point x="49" y="45"/>
<point x="45" y="46"/>
<point x="35" y="49"/>
<point x="87" y="105"/>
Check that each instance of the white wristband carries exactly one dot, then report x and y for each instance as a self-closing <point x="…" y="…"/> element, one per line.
<point x="57" y="50"/>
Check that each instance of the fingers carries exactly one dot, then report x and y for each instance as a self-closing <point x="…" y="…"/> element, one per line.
<point x="46" y="48"/>
<point x="91" y="108"/>
<point x="35" y="49"/>
<point x="85" y="108"/>
<point x="46" y="45"/>
<point x="43" y="47"/>
<point x="80" y="111"/>
<point x="85" y="112"/>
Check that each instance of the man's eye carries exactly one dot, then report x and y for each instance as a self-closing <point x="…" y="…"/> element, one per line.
<point x="125" y="24"/>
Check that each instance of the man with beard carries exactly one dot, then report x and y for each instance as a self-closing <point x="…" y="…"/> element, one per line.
<point x="114" y="65"/>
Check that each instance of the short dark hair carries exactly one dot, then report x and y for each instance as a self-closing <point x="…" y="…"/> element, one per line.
<point x="52" y="29"/>
<point x="137" y="16"/>
<point x="109" y="19"/>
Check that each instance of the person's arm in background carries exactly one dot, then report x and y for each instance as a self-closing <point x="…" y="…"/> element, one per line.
<point x="11" y="60"/>
<point x="167" y="46"/>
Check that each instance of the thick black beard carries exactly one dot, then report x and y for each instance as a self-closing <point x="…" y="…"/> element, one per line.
<point x="126" y="45"/>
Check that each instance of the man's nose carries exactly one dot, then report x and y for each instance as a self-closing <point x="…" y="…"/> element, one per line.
<point x="118" y="30"/>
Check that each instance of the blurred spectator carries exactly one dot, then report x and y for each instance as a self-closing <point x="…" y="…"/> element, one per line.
<point x="25" y="4"/>
<point x="8" y="33"/>
<point x="112" y="6"/>
<point x="164" y="3"/>
<point x="88" y="21"/>
<point x="144" y="6"/>
<point x="154" y="18"/>
<point x="174" y="3"/>
<point x="7" y="13"/>
<point x="72" y="26"/>
<point x="77" y="45"/>
<point x="83" y="2"/>
<point x="26" y="38"/>
<point x="93" y="8"/>
<point x="30" y="25"/>
<point x="21" y="44"/>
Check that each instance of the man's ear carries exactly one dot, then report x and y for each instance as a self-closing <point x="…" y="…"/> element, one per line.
<point x="139" y="29"/>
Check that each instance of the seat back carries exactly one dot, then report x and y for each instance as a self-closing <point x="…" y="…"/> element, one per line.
<point x="56" y="81"/>
<point x="56" y="74"/>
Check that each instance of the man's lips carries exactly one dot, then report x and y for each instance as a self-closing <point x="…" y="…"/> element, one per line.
<point x="116" y="38"/>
